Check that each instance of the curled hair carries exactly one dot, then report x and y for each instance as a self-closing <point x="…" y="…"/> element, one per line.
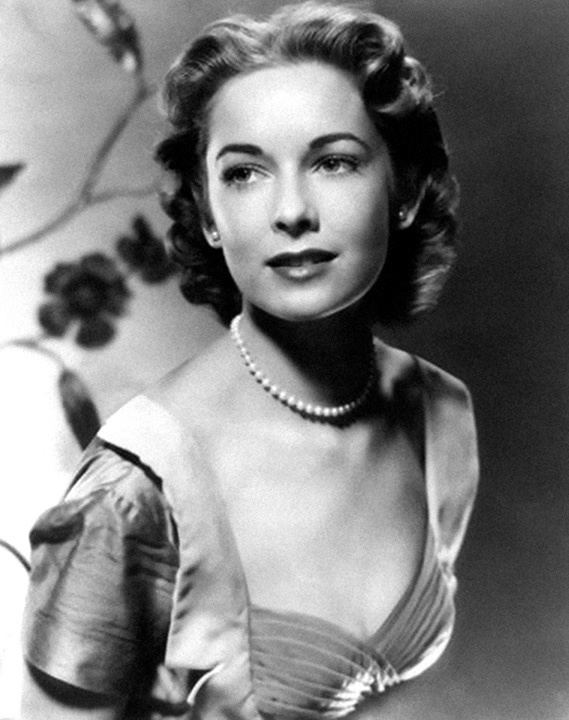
<point x="398" y="97"/>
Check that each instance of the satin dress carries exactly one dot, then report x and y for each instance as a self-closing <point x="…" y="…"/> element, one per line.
<point x="137" y="588"/>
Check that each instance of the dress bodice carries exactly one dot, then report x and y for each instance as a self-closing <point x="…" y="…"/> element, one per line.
<point x="144" y="532"/>
<point x="304" y="667"/>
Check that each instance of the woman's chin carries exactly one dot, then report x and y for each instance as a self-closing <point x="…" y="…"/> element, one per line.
<point x="308" y="309"/>
<point x="306" y="315"/>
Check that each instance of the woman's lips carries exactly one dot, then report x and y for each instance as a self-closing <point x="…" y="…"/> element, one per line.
<point x="299" y="259"/>
<point x="302" y="265"/>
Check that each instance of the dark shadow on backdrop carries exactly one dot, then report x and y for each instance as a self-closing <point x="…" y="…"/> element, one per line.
<point x="503" y="327"/>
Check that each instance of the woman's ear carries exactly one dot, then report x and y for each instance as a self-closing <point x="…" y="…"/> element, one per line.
<point x="408" y="210"/>
<point x="209" y="230"/>
<point x="211" y="234"/>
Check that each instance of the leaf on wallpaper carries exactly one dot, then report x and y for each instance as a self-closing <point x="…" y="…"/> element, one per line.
<point x="8" y="173"/>
<point x="114" y="28"/>
<point x="144" y="252"/>
<point x="80" y="410"/>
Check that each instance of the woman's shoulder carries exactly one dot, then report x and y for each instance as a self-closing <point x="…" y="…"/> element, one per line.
<point x="159" y="432"/>
<point x="196" y="393"/>
<point x="397" y="365"/>
<point x="157" y="422"/>
<point x="439" y="388"/>
<point x="446" y="400"/>
<point x="451" y="451"/>
<point x="111" y="489"/>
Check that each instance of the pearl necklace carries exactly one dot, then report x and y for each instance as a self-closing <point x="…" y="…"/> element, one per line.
<point x="321" y="413"/>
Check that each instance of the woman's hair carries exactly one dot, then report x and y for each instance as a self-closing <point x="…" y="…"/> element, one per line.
<point x="398" y="97"/>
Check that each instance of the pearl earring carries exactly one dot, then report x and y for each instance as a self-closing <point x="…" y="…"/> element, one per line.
<point x="402" y="214"/>
<point x="214" y="236"/>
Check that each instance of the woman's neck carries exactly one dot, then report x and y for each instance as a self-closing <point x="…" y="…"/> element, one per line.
<point x="323" y="361"/>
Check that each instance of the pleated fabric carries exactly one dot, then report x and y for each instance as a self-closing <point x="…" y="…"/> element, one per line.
<point x="305" y="667"/>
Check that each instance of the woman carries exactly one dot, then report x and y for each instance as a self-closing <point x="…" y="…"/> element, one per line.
<point x="270" y="532"/>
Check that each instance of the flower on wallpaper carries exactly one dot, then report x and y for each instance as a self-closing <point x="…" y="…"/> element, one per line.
<point x="144" y="252"/>
<point x="90" y="293"/>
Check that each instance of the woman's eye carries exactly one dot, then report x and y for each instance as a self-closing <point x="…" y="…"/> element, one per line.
<point x="240" y="175"/>
<point x="338" y="164"/>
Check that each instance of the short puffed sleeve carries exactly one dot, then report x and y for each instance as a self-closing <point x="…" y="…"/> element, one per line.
<point x="104" y="565"/>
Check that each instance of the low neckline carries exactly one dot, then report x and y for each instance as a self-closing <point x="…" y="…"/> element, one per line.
<point x="277" y="662"/>
<point x="385" y="627"/>
<point x="427" y="549"/>
<point x="173" y="427"/>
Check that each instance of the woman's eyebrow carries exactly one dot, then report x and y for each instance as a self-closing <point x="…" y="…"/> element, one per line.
<point x="315" y="144"/>
<point x="239" y="148"/>
<point x="323" y="140"/>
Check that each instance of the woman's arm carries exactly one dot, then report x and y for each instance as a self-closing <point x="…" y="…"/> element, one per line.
<point x="45" y="698"/>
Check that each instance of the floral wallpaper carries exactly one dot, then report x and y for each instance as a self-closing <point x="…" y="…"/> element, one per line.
<point x="90" y="311"/>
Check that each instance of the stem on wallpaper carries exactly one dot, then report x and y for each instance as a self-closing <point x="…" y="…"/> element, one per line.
<point x="85" y="195"/>
<point x="35" y="343"/>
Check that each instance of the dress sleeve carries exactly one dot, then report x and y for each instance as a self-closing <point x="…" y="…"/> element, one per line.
<point x="452" y="465"/>
<point x="103" y="570"/>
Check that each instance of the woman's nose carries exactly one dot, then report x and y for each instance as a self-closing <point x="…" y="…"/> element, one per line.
<point x="295" y="213"/>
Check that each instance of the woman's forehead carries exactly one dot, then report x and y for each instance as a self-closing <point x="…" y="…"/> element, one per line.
<point x="287" y="102"/>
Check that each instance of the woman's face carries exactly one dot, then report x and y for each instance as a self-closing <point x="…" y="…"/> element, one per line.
<point x="298" y="183"/>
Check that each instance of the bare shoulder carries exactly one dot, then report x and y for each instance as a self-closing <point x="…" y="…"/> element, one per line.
<point x="443" y="383"/>
<point x="200" y="389"/>
<point x="398" y="367"/>
<point x="395" y="367"/>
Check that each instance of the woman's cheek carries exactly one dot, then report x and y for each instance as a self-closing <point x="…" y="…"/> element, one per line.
<point x="245" y="217"/>
<point x="243" y="264"/>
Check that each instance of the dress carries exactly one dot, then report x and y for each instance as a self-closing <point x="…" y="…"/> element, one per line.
<point x="137" y="587"/>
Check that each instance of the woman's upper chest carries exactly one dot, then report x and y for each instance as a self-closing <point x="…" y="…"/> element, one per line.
<point x="327" y="523"/>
